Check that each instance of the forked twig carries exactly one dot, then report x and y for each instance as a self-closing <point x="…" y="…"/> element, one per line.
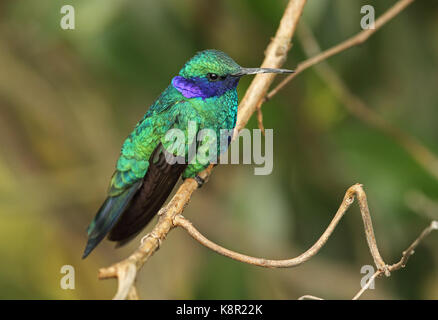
<point x="390" y="268"/>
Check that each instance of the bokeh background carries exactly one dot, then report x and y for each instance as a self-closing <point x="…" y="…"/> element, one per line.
<point x="68" y="99"/>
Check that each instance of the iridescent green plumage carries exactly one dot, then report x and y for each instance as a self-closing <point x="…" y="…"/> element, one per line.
<point x="204" y="93"/>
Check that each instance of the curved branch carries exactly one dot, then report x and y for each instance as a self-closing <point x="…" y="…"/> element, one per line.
<point x="355" y="190"/>
<point x="352" y="192"/>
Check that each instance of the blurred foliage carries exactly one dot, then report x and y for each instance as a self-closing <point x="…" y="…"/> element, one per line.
<point x="68" y="98"/>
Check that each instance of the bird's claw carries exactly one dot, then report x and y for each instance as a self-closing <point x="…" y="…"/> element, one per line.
<point x="199" y="180"/>
<point x="151" y="235"/>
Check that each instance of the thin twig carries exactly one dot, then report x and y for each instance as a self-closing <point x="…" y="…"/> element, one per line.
<point x="275" y="55"/>
<point x="410" y="250"/>
<point x="355" y="40"/>
<point x="309" y="297"/>
<point x="404" y="259"/>
<point x="260" y="120"/>
<point x="367" y="285"/>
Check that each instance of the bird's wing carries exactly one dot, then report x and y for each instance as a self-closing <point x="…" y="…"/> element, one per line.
<point x="156" y="187"/>
<point x="132" y="167"/>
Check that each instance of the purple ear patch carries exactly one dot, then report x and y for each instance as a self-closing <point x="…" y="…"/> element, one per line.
<point x="187" y="87"/>
<point x="202" y="88"/>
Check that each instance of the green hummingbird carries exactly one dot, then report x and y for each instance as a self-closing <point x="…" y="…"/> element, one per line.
<point x="203" y="93"/>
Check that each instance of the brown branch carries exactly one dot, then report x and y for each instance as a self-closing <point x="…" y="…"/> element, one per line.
<point x="275" y="55"/>
<point x="357" y="39"/>
<point x="354" y="191"/>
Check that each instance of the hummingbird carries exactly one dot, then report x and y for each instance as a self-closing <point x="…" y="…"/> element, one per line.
<point x="204" y="93"/>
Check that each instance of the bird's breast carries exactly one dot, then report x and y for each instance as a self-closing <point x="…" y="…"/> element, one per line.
<point x="217" y="112"/>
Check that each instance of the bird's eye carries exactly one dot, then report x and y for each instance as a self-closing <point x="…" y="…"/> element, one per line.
<point x="212" y="76"/>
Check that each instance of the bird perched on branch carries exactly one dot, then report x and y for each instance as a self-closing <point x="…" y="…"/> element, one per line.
<point x="203" y="96"/>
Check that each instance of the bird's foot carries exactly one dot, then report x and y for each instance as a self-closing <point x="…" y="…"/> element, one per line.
<point x="199" y="180"/>
<point x="151" y="235"/>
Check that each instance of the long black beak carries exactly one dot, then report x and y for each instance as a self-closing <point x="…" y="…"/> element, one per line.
<point x="245" y="71"/>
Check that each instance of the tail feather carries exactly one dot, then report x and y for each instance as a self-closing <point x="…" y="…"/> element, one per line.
<point x="107" y="216"/>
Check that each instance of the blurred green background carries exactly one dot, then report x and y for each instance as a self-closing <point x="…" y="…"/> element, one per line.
<point x="68" y="99"/>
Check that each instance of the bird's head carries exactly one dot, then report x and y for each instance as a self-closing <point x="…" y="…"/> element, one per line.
<point x="211" y="73"/>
